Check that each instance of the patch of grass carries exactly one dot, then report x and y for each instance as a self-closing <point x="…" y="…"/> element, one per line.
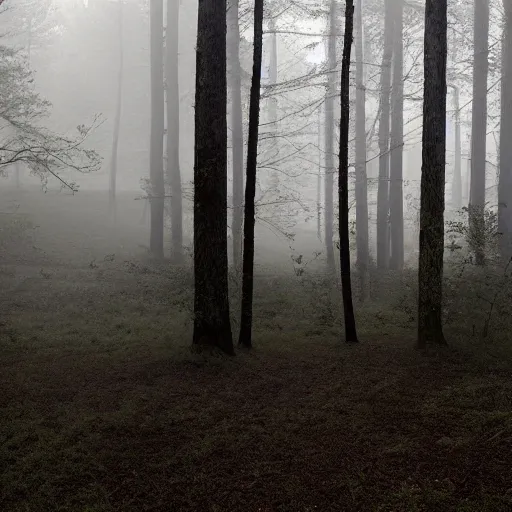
<point x="105" y="408"/>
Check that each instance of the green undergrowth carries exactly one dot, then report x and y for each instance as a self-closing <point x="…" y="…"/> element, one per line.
<point x="105" y="408"/>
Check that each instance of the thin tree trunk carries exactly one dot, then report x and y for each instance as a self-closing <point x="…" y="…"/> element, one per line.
<point x="273" y="76"/>
<point x="396" y="199"/>
<point x="467" y="187"/>
<point x="479" y="129"/>
<point x="329" y="138"/>
<point x="361" y="181"/>
<point x="117" y="119"/>
<point x="156" y="165"/>
<point x="212" y="325"/>
<point x="173" y="129"/>
<point x="505" y="150"/>
<point x="457" y="173"/>
<point x="383" y="187"/>
<point x="319" y="179"/>
<point x="346" y="283"/>
<point x="245" y="338"/>
<point x="430" y="275"/>
<point x="237" y="138"/>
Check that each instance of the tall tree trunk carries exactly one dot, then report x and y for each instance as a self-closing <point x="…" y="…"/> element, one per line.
<point x="329" y="137"/>
<point x="430" y="275"/>
<point x="505" y="150"/>
<point x="457" y="172"/>
<point x="479" y="129"/>
<point x="383" y="188"/>
<point x="237" y="138"/>
<point x="346" y="283"/>
<point x="273" y="74"/>
<point x="245" y="338"/>
<point x="457" y="191"/>
<point x="396" y="199"/>
<point x="117" y="119"/>
<point x="467" y="184"/>
<point x="173" y="129"/>
<point x="361" y="181"/>
<point x="319" y="179"/>
<point x="212" y="325"/>
<point x="156" y="164"/>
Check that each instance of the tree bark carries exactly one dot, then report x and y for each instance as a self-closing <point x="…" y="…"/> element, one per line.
<point x="430" y="275"/>
<point x="457" y="169"/>
<point x="383" y="187"/>
<point x="117" y="119"/>
<point x="245" y="338"/>
<point x="479" y="129"/>
<point x="329" y="138"/>
<point x="237" y="138"/>
<point x="173" y="130"/>
<point x="273" y="76"/>
<point x="396" y="199"/>
<point x="212" y="325"/>
<point x="361" y="180"/>
<point x="156" y="164"/>
<point x="505" y="150"/>
<point x="346" y="283"/>
<point x="319" y="179"/>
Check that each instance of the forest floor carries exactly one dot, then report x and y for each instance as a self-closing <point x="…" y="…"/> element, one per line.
<point x="104" y="408"/>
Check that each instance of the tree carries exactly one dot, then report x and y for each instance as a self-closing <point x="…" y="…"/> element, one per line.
<point x="245" y="338"/>
<point x="346" y="283"/>
<point x="361" y="180"/>
<point x="237" y="139"/>
<point x="156" y="168"/>
<point x="430" y="275"/>
<point x="173" y="129"/>
<point x="479" y="128"/>
<point x="505" y="180"/>
<point x="396" y="200"/>
<point x="329" y="136"/>
<point x="272" y="103"/>
<point x="24" y="139"/>
<point x="211" y="304"/>
<point x="117" y="119"/>
<point x="456" y="198"/>
<point x="383" y="187"/>
<point x="457" y="170"/>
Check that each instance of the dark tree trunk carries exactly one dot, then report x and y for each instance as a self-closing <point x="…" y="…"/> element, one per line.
<point x="505" y="150"/>
<point x="237" y="139"/>
<point x="117" y="119"/>
<point x="173" y="130"/>
<point x="346" y="283"/>
<point x="396" y="200"/>
<point x="430" y="328"/>
<point x="383" y="188"/>
<point x="212" y="325"/>
<point x="245" y="338"/>
<point x="156" y="163"/>
<point x="329" y="138"/>
<point x="361" y="181"/>
<point x="479" y="129"/>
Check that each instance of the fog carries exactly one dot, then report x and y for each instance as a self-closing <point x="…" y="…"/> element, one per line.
<point x="105" y="407"/>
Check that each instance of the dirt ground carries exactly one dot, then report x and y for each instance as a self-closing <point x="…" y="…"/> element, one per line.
<point x="104" y="408"/>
